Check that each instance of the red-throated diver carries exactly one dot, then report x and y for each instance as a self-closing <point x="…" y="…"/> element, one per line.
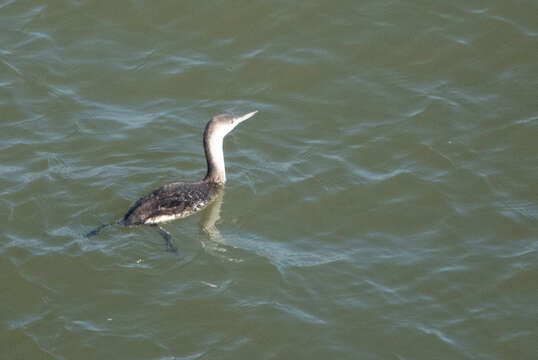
<point x="181" y="199"/>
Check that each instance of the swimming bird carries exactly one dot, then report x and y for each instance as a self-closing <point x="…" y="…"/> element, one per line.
<point x="181" y="199"/>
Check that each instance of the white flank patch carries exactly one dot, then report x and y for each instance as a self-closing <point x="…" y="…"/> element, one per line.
<point x="163" y="218"/>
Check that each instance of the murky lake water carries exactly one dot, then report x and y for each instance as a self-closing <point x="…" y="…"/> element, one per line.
<point x="382" y="205"/>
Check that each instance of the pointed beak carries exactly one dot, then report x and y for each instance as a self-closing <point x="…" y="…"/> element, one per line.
<point x="242" y="118"/>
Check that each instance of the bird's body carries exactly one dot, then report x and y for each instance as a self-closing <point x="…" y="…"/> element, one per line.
<point x="181" y="199"/>
<point x="170" y="202"/>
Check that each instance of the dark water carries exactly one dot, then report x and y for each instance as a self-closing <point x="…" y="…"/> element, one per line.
<point x="382" y="205"/>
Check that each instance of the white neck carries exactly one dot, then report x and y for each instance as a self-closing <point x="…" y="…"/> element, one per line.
<point x="214" y="134"/>
<point x="215" y="159"/>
